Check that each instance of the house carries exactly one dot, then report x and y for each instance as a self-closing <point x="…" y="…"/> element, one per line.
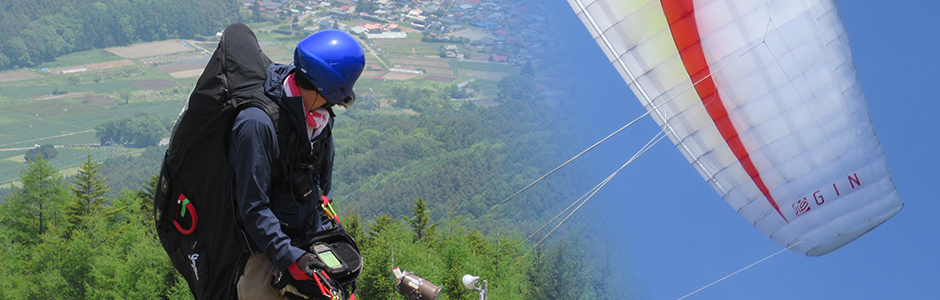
<point x="339" y="13"/>
<point x="359" y="30"/>
<point x="450" y="51"/>
<point x="324" y="21"/>
<point x="372" y="27"/>
<point x="498" y="58"/>
<point x="387" y="35"/>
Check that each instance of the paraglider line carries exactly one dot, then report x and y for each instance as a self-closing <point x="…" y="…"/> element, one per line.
<point x="741" y="270"/>
<point x="571" y="159"/>
<point x="587" y="196"/>
<point x="659" y="137"/>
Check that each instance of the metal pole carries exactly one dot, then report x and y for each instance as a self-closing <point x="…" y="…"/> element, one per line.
<point x="484" y="290"/>
<point x="391" y="253"/>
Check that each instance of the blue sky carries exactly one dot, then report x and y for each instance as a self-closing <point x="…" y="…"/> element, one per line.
<point x="672" y="234"/>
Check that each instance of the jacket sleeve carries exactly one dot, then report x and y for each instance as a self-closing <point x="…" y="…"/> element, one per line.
<point x="253" y="153"/>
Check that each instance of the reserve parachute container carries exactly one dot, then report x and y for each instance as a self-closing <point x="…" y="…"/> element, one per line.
<point x="762" y="98"/>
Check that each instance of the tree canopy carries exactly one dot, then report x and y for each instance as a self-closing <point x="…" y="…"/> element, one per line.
<point x="105" y="248"/>
<point x="139" y="131"/>
<point x="47" y="151"/>
<point x="34" y="32"/>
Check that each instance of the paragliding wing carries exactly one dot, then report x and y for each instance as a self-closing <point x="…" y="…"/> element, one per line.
<point x="761" y="97"/>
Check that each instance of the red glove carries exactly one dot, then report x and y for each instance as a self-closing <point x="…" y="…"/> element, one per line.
<point x="305" y="267"/>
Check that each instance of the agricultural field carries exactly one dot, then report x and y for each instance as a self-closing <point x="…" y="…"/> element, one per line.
<point x="150" y="49"/>
<point x="61" y="102"/>
<point x="69" y="125"/>
<point x="406" y="47"/>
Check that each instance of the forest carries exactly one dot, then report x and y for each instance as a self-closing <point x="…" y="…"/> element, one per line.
<point x="38" y="31"/>
<point x="63" y="239"/>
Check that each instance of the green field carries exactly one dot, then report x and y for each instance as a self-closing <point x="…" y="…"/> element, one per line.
<point x="30" y="114"/>
<point x="59" y="127"/>
<point x="80" y="58"/>
<point x="483" y="66"/>
<point x="419" y="49"/>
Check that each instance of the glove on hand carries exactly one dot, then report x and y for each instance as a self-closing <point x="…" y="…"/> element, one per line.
<point x="307" y="265"/>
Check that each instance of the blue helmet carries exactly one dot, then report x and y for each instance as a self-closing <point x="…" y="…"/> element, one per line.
<point x="332" y="60"/>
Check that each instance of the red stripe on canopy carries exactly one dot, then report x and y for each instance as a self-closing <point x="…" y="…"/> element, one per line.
<point x="681" y="17"/>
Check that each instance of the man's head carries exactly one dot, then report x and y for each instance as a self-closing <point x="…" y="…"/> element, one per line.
<point x="329" y="62"/>
<point x="309" y="92"/>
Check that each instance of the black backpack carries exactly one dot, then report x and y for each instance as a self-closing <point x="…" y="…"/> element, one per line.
<point x="194" y="207"/>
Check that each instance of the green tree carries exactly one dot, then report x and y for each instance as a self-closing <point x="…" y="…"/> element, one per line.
<point x="140" y="131"/>
<point x="130" y="263"/>
<point x="125" y="95"/>
<point x="146" y="198"/>
<point x="376" y="281"/>
<point x="455" y="92"/>
<point x="38" y="31"/>
<point x="15" y="49"/>
<point x="519" y="87"/>
<point x="111" y="131"/>
<point x="34" y="209"/>
<point x="366" y="6"/>
<point x="4" y="61"/>
<point x="527" y="69"/>
<point x="420" y="222"/>
<point x="89" y="189"/>
<point x="144" y="131"/>
<point x="47" y="151"/>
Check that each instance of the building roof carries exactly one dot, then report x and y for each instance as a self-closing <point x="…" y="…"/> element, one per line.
<point x="359" y="30"/>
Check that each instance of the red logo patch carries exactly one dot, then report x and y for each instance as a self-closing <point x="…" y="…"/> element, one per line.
<point x="800" y="207"/>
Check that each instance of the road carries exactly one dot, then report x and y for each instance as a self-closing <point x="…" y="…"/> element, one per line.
<point x="45" y="138"/>
<point x="366" y="44"/>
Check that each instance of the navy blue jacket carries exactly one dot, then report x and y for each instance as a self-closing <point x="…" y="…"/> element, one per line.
<point x="269" y="211"/>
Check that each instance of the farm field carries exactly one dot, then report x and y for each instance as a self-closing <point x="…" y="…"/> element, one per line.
<point x="150" y="49"/>
<point x="61" y="102"/>
<point x="69" y="125"/>
<point x="17" y="75"/>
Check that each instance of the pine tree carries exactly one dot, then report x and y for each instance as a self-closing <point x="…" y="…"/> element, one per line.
<point x="89" y="190"/>
<point x="32" y="210"/>
<point x="420" y="221"/>
<point x="145" y="197"/>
